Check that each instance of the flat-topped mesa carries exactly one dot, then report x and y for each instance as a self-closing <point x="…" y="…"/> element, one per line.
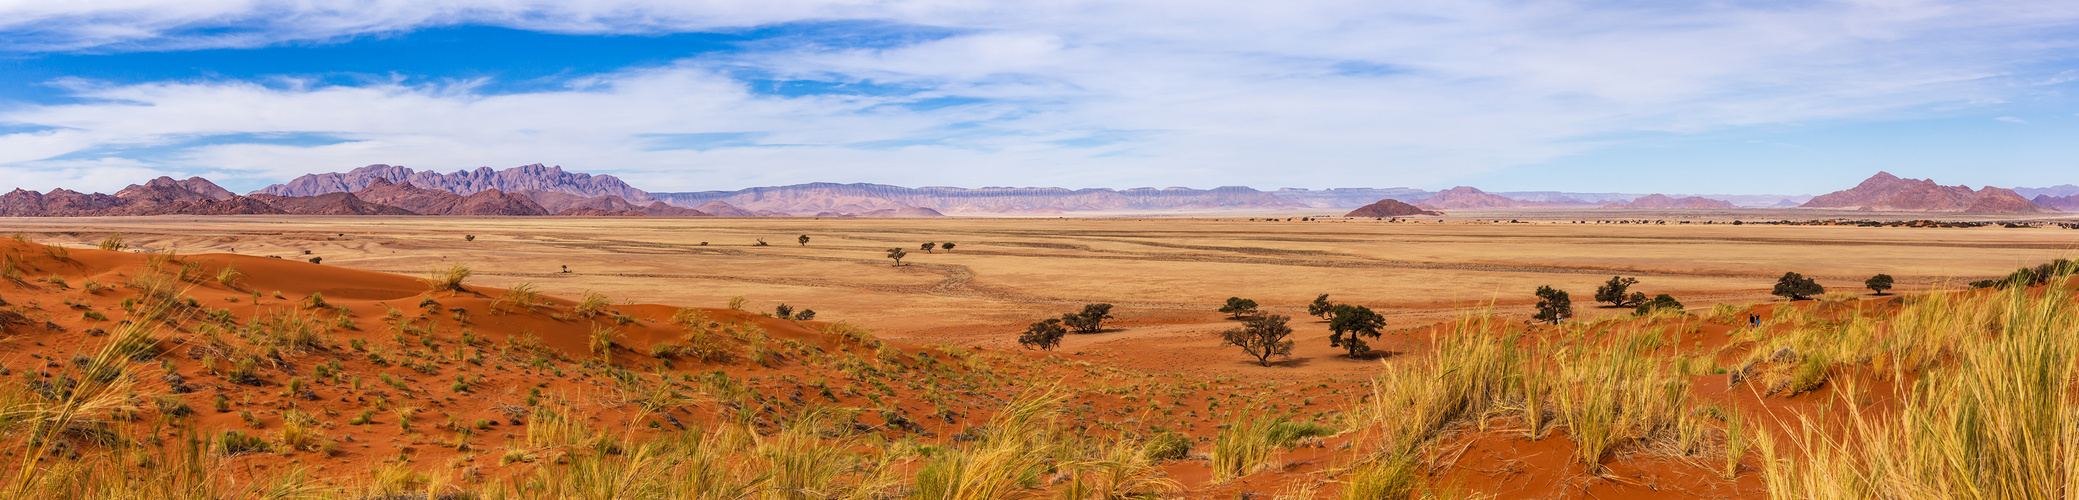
<point x="1891" y="193"/>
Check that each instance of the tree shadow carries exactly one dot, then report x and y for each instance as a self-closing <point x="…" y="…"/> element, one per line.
<point x="1374" y="355"/>
<point x="1283" y="363"/>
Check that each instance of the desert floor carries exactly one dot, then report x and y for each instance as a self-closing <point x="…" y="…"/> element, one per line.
<point x="1166" y="275"/>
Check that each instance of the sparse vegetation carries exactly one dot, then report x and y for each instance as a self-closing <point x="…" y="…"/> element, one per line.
<point x="897" y="254"/>
<point x="927" y="246"/>
<point x="113" y="242"/>
<point x="448" y="280"/>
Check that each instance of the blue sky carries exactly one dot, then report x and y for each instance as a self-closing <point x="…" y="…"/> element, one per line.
<point x="1723" y="97"/>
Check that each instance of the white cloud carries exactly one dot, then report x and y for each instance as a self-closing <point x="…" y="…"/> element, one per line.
<point x="1258" y="93"/>
<point x="2010" y="119"/>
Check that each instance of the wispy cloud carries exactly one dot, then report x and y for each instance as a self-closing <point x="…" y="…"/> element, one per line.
<point x="1062" y="93"/>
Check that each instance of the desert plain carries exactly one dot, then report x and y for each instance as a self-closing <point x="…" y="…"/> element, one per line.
<point x="646" y="324"/>
<point x="1166" y="275"/>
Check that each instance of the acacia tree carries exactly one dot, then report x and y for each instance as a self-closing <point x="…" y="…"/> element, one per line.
<point x="1347" y="323"/>
<point x="1796" y="286"/>
<point x="1878" y="283"/>
<point x="947" y="246"/>
<point x="1045" y="335"/>
<point x="1239" y="307"/>
<point x="927" y="246"/>
<point x="1553" y="305"/>
<point x="1320" y="307"/>
<point x="1615" y="292"/>
<point x="803" y="239"/>
<point x="897" y="254"/>
<point x="1091" y="320"/>
<point x="1262" y="337"/>
<point x="1659" y="302"/>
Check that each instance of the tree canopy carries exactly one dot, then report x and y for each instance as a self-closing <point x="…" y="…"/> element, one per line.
<point x="1347" y="323"/>
<point x="1090" y="320"/>
<point x="1616" y="292"/>
<point x="1239" y="307"/>
<point x="1796" y="286"/>
<point x="1262" y="337"/>
<point x="1553" y="305"/>
<point x="1321" y="307"/>
<point x="1044" y="335"/>
<point x="1878" y="283"/>
<point x="1659" y="302"/>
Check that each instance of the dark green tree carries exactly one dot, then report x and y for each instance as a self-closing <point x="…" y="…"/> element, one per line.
<point x="1347" y="323"/>
<point x="1878" y="283"/>
<point x="1044" y="335"/>
<point x="1553" y="305"/>
<point x="1091" y="320"/>
<point x="803" y="239"/>
<point x="897" y="254"/>
<point x="1617" y="292"/>
<point x="783" y="311"/>
<point x="1662" y="301"/>
<point x="1262" y="337"/>
<point x="947" y="246"/>
<point x="1239" y="307"/>
<point x="1320" y="307"/>
<point x="1796" y="286"/>
<point x="927" y="246"/>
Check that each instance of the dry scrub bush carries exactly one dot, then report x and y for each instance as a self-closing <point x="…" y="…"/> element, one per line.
<point x="447" y="280"/>
<point x="523" y="297"/>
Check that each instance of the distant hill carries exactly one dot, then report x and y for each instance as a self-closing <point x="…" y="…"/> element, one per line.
<point x="1465" y="197"/>
<point x="2069" y="203"/>
<point x="1389" y="208"/>
<point x="821" y="197"/>
<point x="2052" y="191"/>
<point x="1888" y="192"/>
<point x="1664" y="202"/>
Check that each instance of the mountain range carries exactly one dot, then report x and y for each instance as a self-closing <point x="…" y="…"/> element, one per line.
<point x="1890" y="193"/>
<point x="538" y="190"/>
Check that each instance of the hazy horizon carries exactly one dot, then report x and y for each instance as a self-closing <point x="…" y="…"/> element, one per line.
<point x="1597" y="97"/>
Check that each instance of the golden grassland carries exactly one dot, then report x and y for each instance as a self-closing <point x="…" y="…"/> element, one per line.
<point x="1940" y="393"/>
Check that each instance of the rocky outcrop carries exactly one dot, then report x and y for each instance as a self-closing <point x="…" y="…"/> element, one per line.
<point x="57" y="203"/>
<point x="1664" y="202"/>
<point x="1891" y="193"/>
<point x="409" y="197"/>
<point x="465" y="182"/>
<point x="329" y="204"/>
<point x="1467" y="197"/>
<point x="1389" y="208"/>
<point x="494" y="203"/>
